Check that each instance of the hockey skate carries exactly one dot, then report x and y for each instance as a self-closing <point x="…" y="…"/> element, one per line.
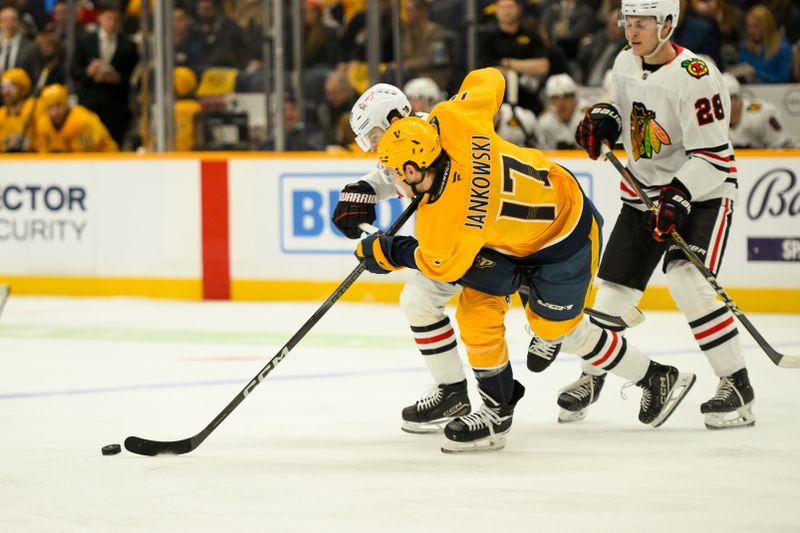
<point x="485" y="429"/>
<point x="541" y="353"/>
<point x="663" y="388"/>
<point x="436" y="407"/>
<point x="575" y="398"/>
<point x="731" y="406"/>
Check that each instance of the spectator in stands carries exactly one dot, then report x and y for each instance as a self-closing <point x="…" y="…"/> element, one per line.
<point x="17" y="124"/>
<point x="787" y="17"/>
<point x="568" y="22"/>
<point x="58" y="21"/>
<point x="189" y="47"/>
<point x="186" y="107"/>
<point x="425" y="52"/>
<point x="247" y="14"/>
<point x="730" y="22"/>
<point x="321" y="44"/>
<point x="765" y="56"/>
<point x="755" y="123"/>
<point x="598" y="52"/>
<point x="354" y="38"/>
<point x="559" y="122"/>
<point x="339" y="100"/>
<point x="224" y="40"/>
<point x="61" y="128"/>
<point x="300" y="136"/>
<point x="514" y="48"/>
<point x="422" y="94"/>
<point x="50" y="48"/>
<point x="102" y="68"/>
<point x="32" y="16"/>
<point x="17" y="50"/>
<point x="698" y="34"/>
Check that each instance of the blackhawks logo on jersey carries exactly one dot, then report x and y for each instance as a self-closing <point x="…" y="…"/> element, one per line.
<point x="695" y="67"/>
<point x="647" y="135"/>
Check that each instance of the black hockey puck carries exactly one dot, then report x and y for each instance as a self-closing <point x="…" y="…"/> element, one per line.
<point x="111" y="449"/>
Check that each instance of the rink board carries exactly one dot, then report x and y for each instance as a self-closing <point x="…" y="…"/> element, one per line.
<point x="257" y="226"/>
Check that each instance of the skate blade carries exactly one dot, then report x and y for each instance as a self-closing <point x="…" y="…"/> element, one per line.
<point x="488" y="444"/>
<point x="423" y="428"/>
<point x="682" y="386"/>
<point x="566" y="417"/>
<point x="741" y="418"/>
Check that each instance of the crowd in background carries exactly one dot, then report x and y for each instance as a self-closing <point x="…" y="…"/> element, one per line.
<point x="548" y="49"/>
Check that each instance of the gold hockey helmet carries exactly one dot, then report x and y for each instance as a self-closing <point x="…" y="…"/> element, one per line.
<point x="18" y="77"/>
<point x="409" y="140"/>
<point x="54" y="94"/>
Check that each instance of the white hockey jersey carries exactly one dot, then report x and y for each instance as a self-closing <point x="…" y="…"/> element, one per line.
<point x="760" y="127"/>
<point x="518" y="126"/>
<point x="557" y="134"/>
<point x="675" y="125"/>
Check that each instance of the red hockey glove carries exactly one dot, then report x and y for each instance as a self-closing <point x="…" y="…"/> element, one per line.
<point x="601" y="124"/>
<point x="674" y="205"/>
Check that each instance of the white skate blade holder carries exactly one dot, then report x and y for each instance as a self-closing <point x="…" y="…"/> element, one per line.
<point x="434" y="426"/>
<point x="566" y="417"/>
<point x="494" y="443"/>
<point x="740" y="418"/>
<point x="682" y="386"/>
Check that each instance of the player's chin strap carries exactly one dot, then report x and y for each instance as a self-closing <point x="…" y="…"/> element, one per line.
<point x="782" y="360"/>
<point x="648" y="57"/>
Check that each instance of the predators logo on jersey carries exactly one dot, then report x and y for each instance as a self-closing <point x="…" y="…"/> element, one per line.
<point x="695" y="67"/>
<point x="647" y="135"/>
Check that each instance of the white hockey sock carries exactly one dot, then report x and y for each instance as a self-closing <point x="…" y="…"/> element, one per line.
<point x="713" y="326"/>
<point x="714" y="329"/>
<point x="604" y="350"/>
<point x="438" y="346"/>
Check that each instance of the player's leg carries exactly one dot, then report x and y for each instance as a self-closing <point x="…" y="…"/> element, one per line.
<point x="712" y="324"/>
<point x="480" y="319"/>
<point x="628" y="261"/>
<point x="423" y="302"/>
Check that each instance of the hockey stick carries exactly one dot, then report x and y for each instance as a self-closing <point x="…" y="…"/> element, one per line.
<point x="153" y="447"/>
<point x="632" y="318"/>
<point x="5" y="290"/>
<point x="782" y="360"/>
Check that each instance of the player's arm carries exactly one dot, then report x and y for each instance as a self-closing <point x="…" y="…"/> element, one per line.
<point x="357" y="202"/>
<point x="482" y="91"/>
<point x="704" y="118"/>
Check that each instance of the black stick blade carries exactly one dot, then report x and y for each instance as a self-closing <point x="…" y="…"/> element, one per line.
<point x="156" y="447"/>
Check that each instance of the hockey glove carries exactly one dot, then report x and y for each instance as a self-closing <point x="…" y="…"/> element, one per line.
<point x="674" y="205"/>
<point x="374" y="252"/>
<point x="356" y="205"/>
<point x="601" y="124"/>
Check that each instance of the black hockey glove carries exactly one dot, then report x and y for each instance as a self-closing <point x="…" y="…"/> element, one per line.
<point x="356" y="205"/>
<point x="674" y="205"/>
<point x="601" y="124"/>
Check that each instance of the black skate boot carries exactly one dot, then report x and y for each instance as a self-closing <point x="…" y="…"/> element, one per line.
<point x="663" y="388"/>
<point x="436" y="408"/>
<point x="485" y="429"/>
<point x="575" y="398"/>
<point x="731" y="406"/>
<point x="541" y="353"/>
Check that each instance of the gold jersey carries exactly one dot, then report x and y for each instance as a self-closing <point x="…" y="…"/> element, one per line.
<point x="185" y="110"/>
<point x="11" y="125"/>
<point x="82" y="131"/>
<point x="497" y="195"/>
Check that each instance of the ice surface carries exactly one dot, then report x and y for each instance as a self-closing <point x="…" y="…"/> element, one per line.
<point x="318" y="447"/>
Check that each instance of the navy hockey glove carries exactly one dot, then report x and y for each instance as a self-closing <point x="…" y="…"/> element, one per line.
<point x="601" y="124"/>
<point x="382" y="254"/>
<point x="356" y="205"/>
<point x="674" y="205"/>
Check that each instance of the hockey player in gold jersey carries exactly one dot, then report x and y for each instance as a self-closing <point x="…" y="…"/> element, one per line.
<point x="61" y="128"/>
<point x="17" y="112"/>
<point x="497" y="218"/>
<point x="186" y="107"/>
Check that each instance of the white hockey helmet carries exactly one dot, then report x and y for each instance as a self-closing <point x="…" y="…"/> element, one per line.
<point x="560" y="85"/>
<point x="372" y="113"/>
<point x="660" y="9"/>
<point x="423" y="89"/>
<point x="732" y="84"/>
